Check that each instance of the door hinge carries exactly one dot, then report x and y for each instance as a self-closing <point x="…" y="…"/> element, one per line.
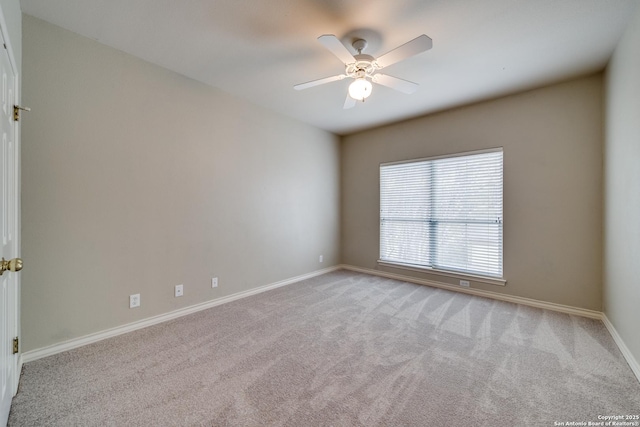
<point x="16" y="112"/>
<point x="16" y="345"/>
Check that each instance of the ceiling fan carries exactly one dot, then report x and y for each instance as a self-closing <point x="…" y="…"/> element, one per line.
<point x="363" y="68"/>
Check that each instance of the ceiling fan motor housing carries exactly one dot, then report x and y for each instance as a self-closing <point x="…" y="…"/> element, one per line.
<point x="364" y="66"/>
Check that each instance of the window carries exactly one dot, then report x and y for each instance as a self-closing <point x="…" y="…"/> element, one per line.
<point x="443" y="213"/>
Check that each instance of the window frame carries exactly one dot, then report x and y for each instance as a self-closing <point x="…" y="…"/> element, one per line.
<point x="474" y="276"/>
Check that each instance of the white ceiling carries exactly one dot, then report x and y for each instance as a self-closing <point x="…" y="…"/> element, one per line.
<point x="258" y="49"/>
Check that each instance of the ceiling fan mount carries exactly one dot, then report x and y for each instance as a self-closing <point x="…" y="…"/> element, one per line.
<point x="362" y="68"/>
<point x="359" y="45"/>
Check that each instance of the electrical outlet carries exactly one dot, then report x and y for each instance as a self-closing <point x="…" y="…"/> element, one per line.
<point x="134" y="301"/>
<point x="320" y="258"/>
<point x="214" y="282"/>
<point x="179" y="290"/>
<point x="464" y="283"/>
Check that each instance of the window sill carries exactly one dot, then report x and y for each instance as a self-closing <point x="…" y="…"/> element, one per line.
<point x="464" y="276"/>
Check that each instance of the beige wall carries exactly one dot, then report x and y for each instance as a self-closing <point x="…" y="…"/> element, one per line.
<point x="622" y="188"/>
<point x="552" y="139"/>
<point x="136" y="179"/>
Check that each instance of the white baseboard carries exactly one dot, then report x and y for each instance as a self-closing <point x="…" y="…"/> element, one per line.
<point x="482" y="293"/>
<point x="633" y="363"/>
<point x="39" y="353"/>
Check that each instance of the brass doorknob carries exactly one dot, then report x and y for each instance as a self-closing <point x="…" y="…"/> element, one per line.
<point x="11" y="265"/>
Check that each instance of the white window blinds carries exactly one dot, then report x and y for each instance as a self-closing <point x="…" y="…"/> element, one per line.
<point x="444" y="213"/>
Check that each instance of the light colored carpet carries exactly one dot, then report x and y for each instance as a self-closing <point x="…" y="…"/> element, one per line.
<point x="342" y="349"/>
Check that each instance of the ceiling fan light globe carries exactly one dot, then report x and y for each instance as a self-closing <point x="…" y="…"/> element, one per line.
<point x="360" y="89"/>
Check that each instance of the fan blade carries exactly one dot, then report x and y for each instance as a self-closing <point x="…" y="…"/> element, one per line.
<point x="319" y="82"/>
<point x="349" y="102"/>
<point x="414" y="47"/>
<point x="404" y="86"/>
<point x="336" y="47"/>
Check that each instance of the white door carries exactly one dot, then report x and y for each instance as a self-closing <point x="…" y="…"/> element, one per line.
<point x="9" y="232"/>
